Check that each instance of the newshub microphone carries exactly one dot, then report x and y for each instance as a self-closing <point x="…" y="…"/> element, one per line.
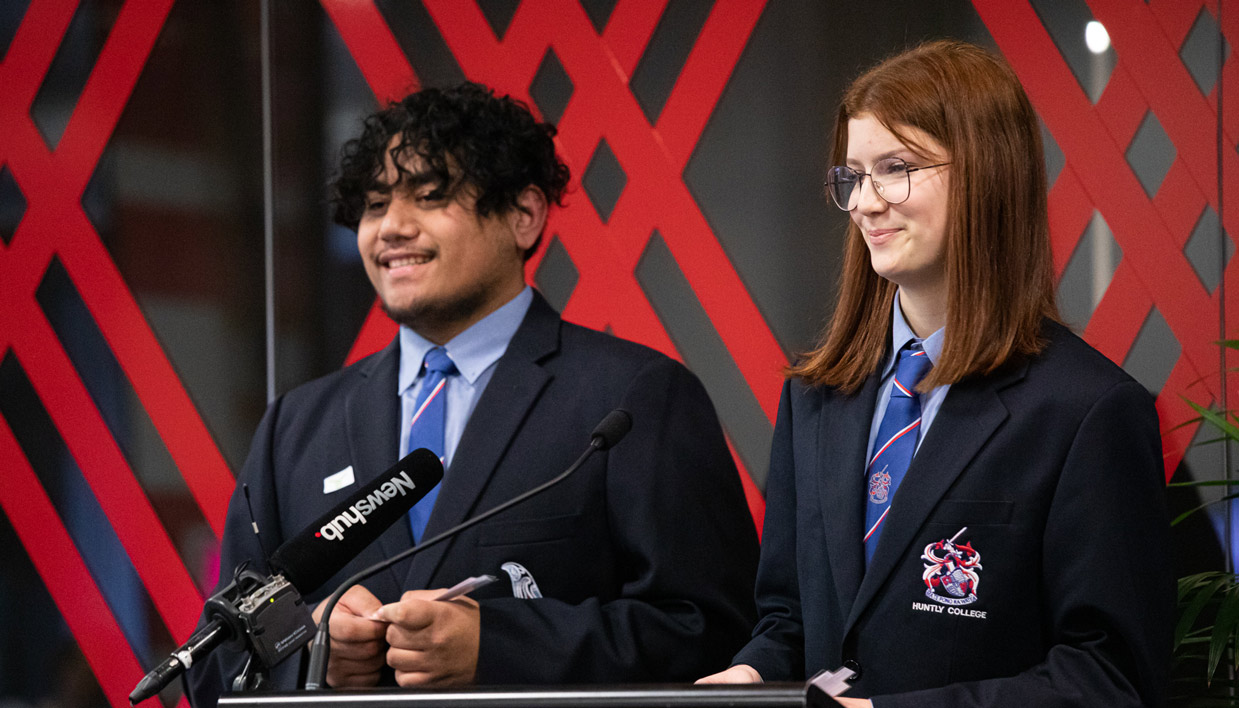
<point x="266" y="614"/>
<point x="613" y="427"/>
<point x="310" y="559"/>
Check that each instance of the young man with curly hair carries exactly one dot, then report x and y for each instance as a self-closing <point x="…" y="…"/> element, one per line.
<point x="637" y="568"/>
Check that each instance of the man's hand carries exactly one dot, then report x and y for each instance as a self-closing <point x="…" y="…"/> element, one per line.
<point x="433" y="642"/>
<point x="740" y="673"/>
<point x="357" y="643"/>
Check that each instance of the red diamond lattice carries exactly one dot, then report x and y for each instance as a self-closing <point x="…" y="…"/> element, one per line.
<point x="1148" y="76"/>
<point x="1154" y="272"/>
<point x="653" y="158"/>
<point x="54" y="226"/>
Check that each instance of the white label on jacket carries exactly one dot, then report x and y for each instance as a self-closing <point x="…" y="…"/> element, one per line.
<point x="338" y="481"/>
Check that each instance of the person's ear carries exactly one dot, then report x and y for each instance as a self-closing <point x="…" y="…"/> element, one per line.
<point x="528" y="219"/>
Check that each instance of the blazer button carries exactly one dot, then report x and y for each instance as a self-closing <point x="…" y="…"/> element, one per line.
<point x="854" y="665"/>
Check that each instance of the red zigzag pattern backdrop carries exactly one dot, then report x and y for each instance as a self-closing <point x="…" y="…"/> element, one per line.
<point x="1152" y="233"/>
<point x="1149" y="76"/>
<point x="653" y="158"/>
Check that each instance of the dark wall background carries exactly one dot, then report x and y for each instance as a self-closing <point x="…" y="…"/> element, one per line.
<point x="166" y="263"/>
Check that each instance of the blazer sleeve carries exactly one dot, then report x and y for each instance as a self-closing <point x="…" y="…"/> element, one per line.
<point x="688" y="550"/>
<point x="1109" y="597"/>
<point x="207" y="679"/>
<point x="776" y="650"/>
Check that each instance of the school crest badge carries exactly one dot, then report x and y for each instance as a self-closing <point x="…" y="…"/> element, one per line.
<point x="951" y="571"/>
<point x="879" y="486"/>
<point x="524" y="587"/>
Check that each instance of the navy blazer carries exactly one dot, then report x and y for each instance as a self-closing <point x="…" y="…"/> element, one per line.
<point x="1054" y="466"/>
<point x="645" y="557"/>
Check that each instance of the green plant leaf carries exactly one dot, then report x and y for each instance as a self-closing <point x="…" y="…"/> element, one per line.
<point x="1187" y="583"/>
<point x="1223" y="629"/>
<point x="1198" y="597"/>
<point x="1205" y="483"/>
<point x="1218" y="420"/>
<point x="1189" y="512"/>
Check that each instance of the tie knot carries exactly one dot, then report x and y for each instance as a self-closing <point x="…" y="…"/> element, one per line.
<point x="437" y="360"/>
<point x="912" y="366"/>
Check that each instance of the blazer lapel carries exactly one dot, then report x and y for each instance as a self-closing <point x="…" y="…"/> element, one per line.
<point x="518" y="380"/>
<point x="843" y="435"/>
<point x="970" y="414"/>
<point x="372" y="421"/>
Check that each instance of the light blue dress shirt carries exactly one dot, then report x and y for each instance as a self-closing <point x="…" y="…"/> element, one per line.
<point x="901" y="334"/>
<point x="475" y="352"/>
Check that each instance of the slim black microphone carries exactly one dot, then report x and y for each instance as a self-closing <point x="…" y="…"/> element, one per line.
<point x="200" y="644"/>
<point x="266" y="612"/>
<point x="613" y="427"/>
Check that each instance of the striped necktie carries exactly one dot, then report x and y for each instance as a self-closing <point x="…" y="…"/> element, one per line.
<point x="426" y="428"/>
<point x="896" y="442"/>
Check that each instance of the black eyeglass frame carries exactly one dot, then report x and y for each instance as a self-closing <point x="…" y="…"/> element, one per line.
<point x="877" y="186"/>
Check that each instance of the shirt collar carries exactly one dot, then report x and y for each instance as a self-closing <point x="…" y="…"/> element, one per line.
<point x="473" y="350"/>
<point x="901" y="334"/>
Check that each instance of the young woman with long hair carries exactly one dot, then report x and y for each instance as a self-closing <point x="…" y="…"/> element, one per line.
<point x="965" y="500"/>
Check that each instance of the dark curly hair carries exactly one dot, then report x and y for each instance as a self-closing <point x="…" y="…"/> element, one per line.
<point x="464" y="136"/>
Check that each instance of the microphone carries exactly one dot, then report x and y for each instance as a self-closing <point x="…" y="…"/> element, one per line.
<point x="200" y="644"/>
<point x="262" y="612"/>
<point x="613" y="427"/>
<point x="310" y="558"/>
<point x="266" y="613"/>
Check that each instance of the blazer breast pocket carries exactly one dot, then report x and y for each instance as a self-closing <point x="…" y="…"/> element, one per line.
<point x="973" y="512"/>
<point x="529" y="531"/>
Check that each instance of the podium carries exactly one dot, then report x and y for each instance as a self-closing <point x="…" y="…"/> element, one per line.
<point x="770" y="695"/>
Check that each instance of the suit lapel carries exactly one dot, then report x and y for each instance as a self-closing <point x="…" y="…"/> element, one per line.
<point x="970" y="414"/>
<point x="372" y="420"/>
<point x="843" y="435"/>
<point x="518" y="380"/>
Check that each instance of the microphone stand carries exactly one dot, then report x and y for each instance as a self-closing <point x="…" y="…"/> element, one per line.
<point x="316" y="673"/>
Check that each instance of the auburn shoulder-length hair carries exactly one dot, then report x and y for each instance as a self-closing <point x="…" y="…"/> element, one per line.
<point x="999" y="272"/>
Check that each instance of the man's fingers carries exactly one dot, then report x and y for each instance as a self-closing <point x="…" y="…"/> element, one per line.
<point x="354" y="679"/>
<point x="414" y="678"/>
<point x="413" y="667"/>
<point x="358" y="601"/>
<point x="354" y="630"/>
<point x="352" y="667"/>
<point x="433" y="642"/>
<point x="369" y="650"/>
<point x="411" y="614"/>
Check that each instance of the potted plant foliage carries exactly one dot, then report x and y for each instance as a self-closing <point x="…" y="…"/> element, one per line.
<point x="1205" y="657"/>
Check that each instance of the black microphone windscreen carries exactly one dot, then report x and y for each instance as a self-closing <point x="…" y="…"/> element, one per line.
<point x="612" y="429"/>
<point x="310" y="558"/>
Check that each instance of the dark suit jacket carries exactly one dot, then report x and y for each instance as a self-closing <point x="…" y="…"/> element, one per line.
<point x="1054" y="465"/>
<point x="645" y="556"/>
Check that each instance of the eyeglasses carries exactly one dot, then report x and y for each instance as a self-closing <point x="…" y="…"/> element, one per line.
<point x="890" y="180"/>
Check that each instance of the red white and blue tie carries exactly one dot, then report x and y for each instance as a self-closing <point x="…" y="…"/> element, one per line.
<point x="426" y="428"/>
<point x="896" y="442"/>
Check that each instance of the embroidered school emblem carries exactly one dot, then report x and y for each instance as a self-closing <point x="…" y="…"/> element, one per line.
<point x="951" y="576"/>
<point x="879" y="486"/>
<point x="524" y="587"/>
